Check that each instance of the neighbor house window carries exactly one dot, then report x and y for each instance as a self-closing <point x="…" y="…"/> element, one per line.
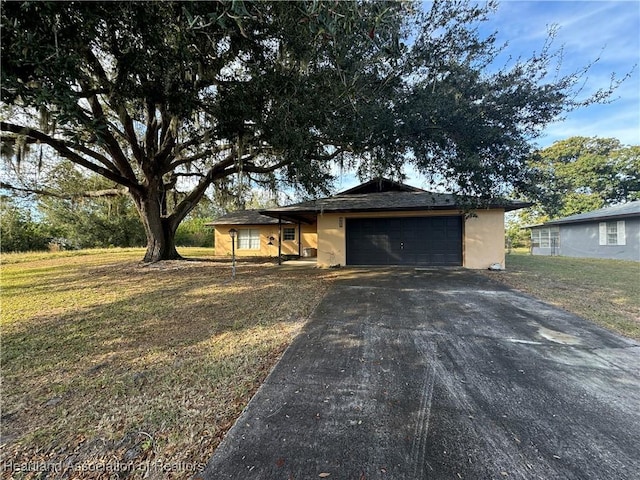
<point x="612" y="233"/>
<point x="288" y="233"/>
<point x="554" y="237"/>
<point x="248" y="239"/>
<point x="535" y="237"/>
<point x="545" y="237"/>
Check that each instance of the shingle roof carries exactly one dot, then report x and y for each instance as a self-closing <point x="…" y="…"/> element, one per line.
<point x="378" y="195"/>
<point x="631" y="209"/>
<point x="386" y="201"/>
<point x="245" y="217"/>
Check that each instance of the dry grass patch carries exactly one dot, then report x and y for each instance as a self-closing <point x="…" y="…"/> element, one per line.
<point x="607" y="292"/>
<point x="109" y="364"/>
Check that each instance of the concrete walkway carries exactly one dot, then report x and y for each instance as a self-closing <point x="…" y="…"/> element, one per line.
<point x="441" y="374"/>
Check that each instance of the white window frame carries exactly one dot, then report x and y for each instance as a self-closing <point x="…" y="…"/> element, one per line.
<point x="612" y="233"/>
<point x="535" y="237"/>
<point x="248" y="239"/>
<point x="286" y="230"/>
<point x="545" y="237"/>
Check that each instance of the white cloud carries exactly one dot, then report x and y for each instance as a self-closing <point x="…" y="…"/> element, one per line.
<point x="605" y="30"/>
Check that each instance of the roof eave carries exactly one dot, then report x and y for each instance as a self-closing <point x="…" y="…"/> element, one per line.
<point x="593" y="219"/>
<point x="414" y="208"/>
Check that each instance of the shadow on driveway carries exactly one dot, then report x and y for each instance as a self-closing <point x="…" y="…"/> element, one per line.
<point x="441" y="374"/>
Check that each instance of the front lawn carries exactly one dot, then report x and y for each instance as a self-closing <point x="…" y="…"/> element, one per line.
<point x="112" y="365"/>
<point x="606" y="292"/>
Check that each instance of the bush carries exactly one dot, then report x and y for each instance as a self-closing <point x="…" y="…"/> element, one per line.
<point x="19" y="232"/>
<point x="193" y="232"/>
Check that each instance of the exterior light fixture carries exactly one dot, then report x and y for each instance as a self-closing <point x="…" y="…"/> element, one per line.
<point x="271" y="239"/>
<point x="233" y="233"/>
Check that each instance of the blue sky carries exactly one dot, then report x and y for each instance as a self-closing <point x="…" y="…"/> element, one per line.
<point x="608" y="30"/>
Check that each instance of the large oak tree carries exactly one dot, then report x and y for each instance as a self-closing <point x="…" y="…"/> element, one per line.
<point x="581" y="174"/>
<point x="168" y="97"/>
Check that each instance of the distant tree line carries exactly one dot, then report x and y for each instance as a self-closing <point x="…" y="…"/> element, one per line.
<point x="69" y="216"/>
<point x="54" y="223"/>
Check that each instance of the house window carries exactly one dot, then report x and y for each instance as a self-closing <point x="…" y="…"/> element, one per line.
<point x="554" y="237"/>
<point x="612" y="233"/>
<point x="288" y="233"/>
<point x="248" y="239"/>
<point x="535" y="237"/>
<point x="545" y="237"/>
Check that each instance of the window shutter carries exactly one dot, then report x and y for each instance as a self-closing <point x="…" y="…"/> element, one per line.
<point x="622" y="240"/>
<point x="603" y="233"/>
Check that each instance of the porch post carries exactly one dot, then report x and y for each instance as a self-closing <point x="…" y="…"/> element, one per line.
<point x="279" y="240"/>
<point x="299" y="241"/>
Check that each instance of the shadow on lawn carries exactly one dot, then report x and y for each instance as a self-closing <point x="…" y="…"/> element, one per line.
<point x="140" y="335"/>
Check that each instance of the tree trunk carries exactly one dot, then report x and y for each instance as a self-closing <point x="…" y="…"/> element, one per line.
<point x="160" y="230"/>
<point x="160" y="241"/>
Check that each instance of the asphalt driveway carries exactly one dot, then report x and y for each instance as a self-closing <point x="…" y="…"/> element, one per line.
<point x="441" y="374"/>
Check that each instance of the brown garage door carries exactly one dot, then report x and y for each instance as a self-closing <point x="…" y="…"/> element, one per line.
<point x="404" y="241"/>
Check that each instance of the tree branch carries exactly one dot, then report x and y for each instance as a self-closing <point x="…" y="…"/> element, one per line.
<point x="151" y="135"/>
<point x="190" y="174"/>
<point x="130" y="131"/>
<point x="333" y="155"/>
<point x="65" y="150"/>
<point x="119" y="109"/>
<point x="108" y="192"/>
<point x="198" y="139"/>
<point x="251" y="168"/>
<point x="166" y="147"/>
<point x="219" y="170"/>
<point x="193" y="158"/>
<point x="87" y="151"/>
<point x="112" y="144"/>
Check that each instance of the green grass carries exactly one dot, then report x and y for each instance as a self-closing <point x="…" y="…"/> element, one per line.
<point x="117" y="252"/>
<point x="606" y="292"/>
<point x="105" y="359"/>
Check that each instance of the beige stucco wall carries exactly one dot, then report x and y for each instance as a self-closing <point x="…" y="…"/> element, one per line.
<point x="289" y="247"/>
<point x="482" y="243"/>
<point x="309" y="234"/>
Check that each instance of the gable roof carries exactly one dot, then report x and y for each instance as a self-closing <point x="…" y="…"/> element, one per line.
<point x="631" y="209"/>
<point x="245" y="217"/>
<point x="386" y="202"/>
<point x="378" y="185"/>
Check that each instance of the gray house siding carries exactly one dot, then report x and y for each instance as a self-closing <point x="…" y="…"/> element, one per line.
<point x="582" y="240"/>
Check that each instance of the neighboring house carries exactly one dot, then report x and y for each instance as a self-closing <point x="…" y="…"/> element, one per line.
<point x="380" y="222"/>
<point x="612" y="232"/>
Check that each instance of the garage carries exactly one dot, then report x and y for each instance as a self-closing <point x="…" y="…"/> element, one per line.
<point x="423" y="241"/>
<point x="382" y="222"/>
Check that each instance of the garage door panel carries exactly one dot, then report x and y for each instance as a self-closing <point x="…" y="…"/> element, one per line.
<point x="404" y="241"/>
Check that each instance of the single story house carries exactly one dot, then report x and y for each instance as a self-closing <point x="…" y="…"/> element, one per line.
<point x="379" y="222"/>
<point x="612" y="232"/>
<point x="262" y="236"/>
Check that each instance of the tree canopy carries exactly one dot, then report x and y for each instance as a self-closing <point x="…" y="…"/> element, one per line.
<point x="581" y="174"/>
<point x="168" y="99"/>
